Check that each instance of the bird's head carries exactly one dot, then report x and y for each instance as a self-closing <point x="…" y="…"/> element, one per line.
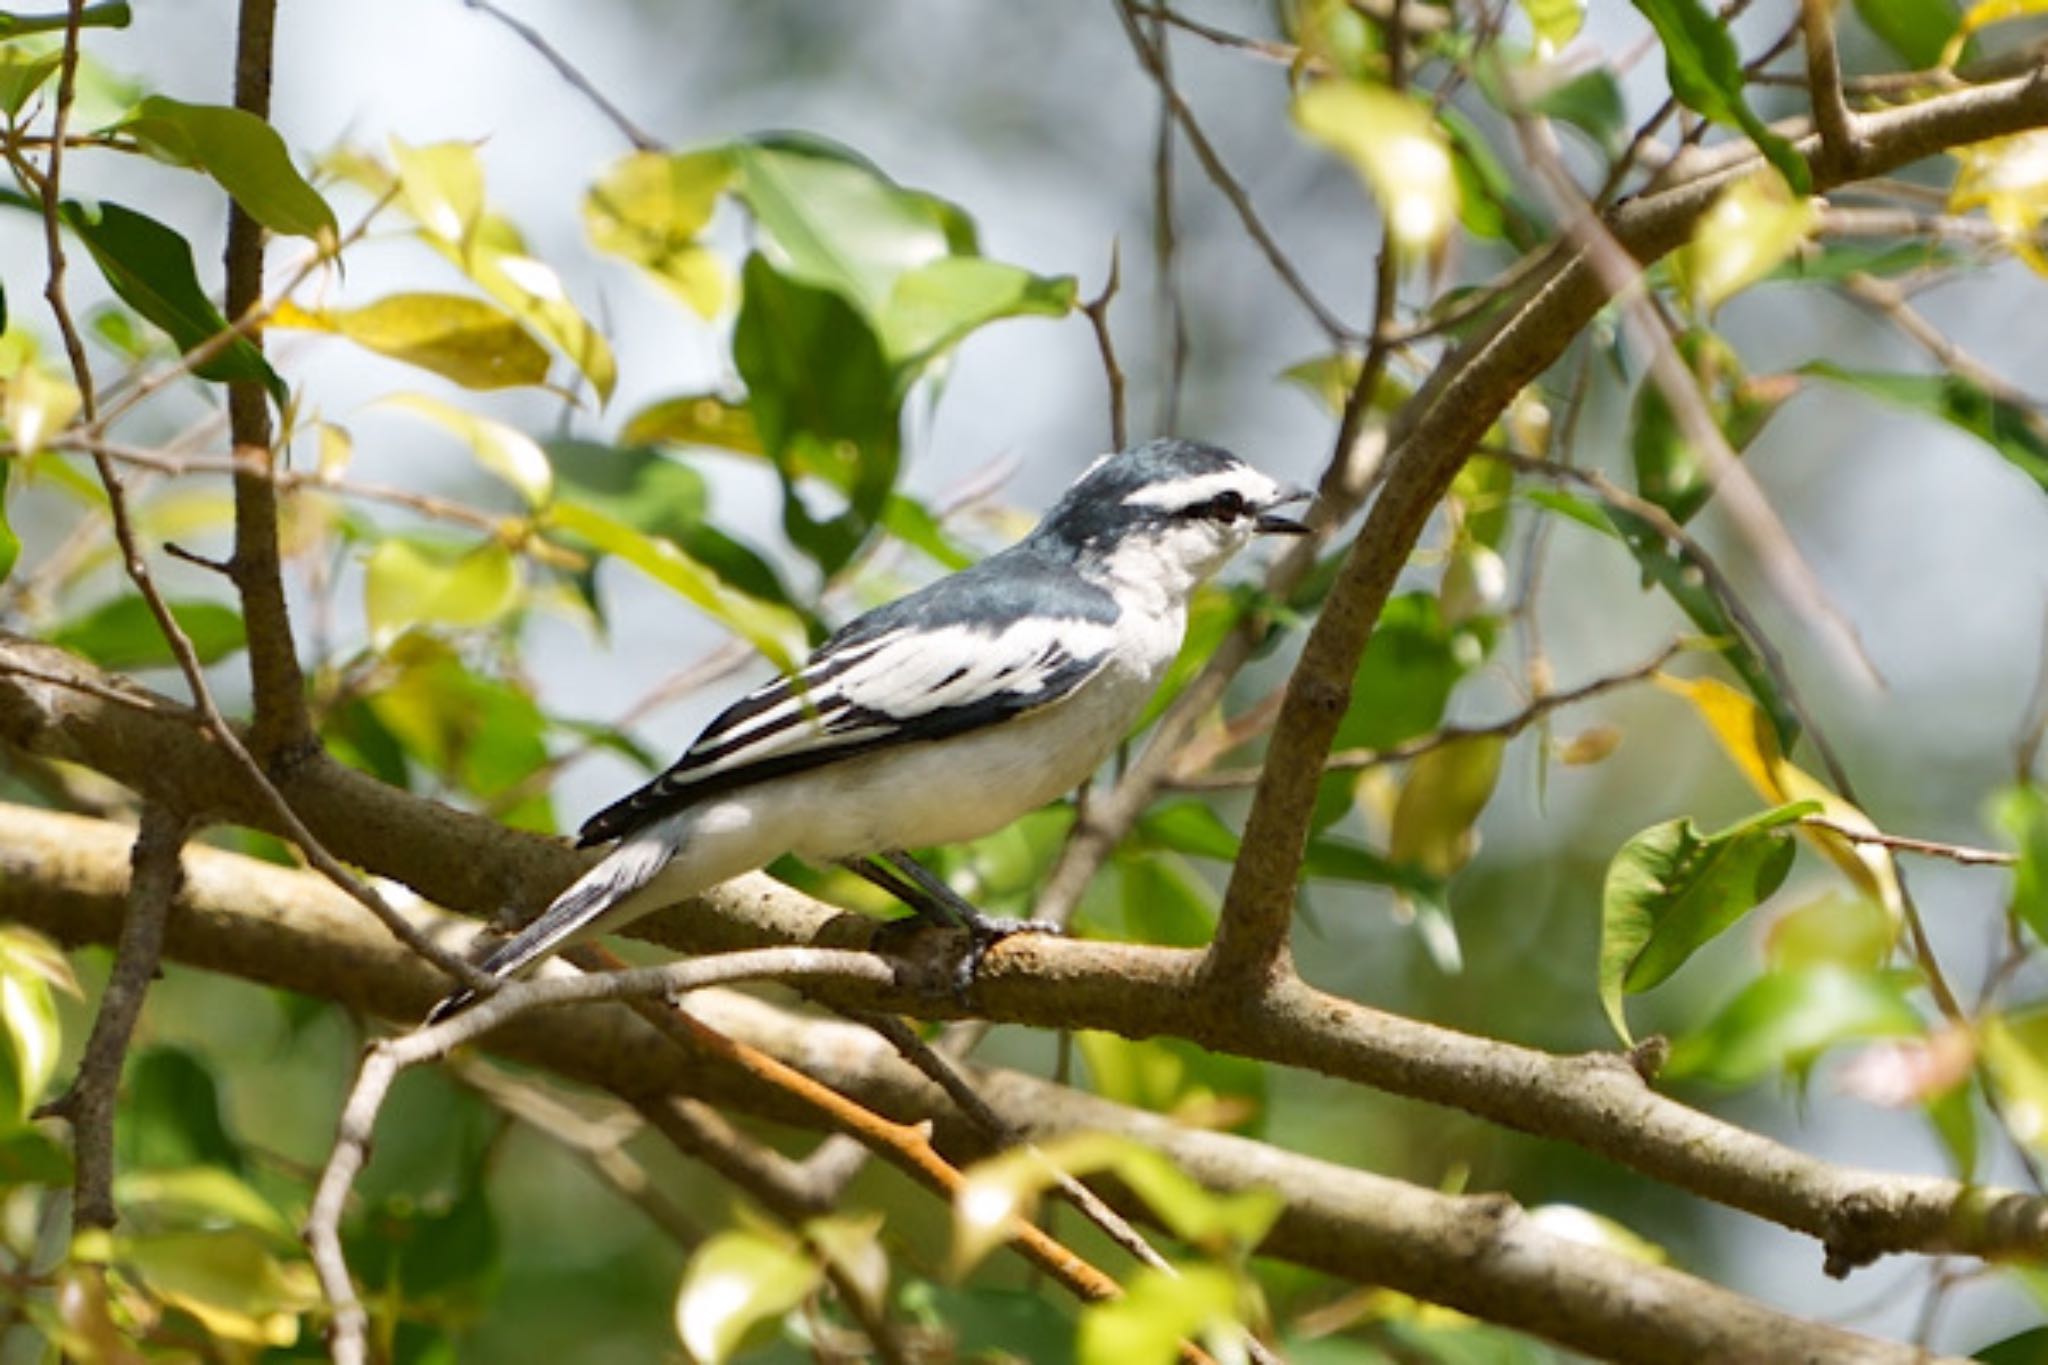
<point x="1168" y="512"/>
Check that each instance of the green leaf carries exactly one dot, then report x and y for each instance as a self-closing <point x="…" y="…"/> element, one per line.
<point x="825" y="403"/>
<point x="1555" y="22"/>
<point x="1175" y="1077"/>
<point x="996" y="1324"/>
<point x="1165" y="903"/>
<point x="28" y="1156"/>
<point x="694" y="420"/>
<point x="30" y="1034"/>
<point x="1705" y="72"/>
<point x="510" y="454"/>
<point x="735" y="1280"/>
<point x="1672" y="889"/>
<point x="650" y="209"/>
<point x="1157" y="1310"/>
<point x="1441" y="799"/>
<point x="480" y="734"/>
<point x="244" y="155"/>
<point x="2013" y="431"/>
<point x="2022" y="812"/>
<point x="1591" y="102"/>
<point x="150" y="267"/>
<point x="1834" y="262"/>
<point x="459" y="338"/>
<point x="932" y="307"/>
<point x="1668" y="470"/>
<point x="1405" y="678"/>
<point x="775" y="630"/>
<point x="123" y="633"/>
<point x="232" y="1281"/>
<point x="1918" y="30"/>
<point x="196" y="1198"/>
<point x="2024" y="1348"/>
<point x="1754" y="226"/>
<point x="839" y="224"/>
<point x="1784" y="1021"/>
<point x="22" y="74"/>
<point x="411" y="582"/>
<point x="171" y="1114"/>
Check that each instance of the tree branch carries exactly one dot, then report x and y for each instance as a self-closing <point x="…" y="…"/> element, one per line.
<point x="88" y="1105"/>
<point x="281" y="731"/>
<point x="1433" y="435"/>
<point x="1479" y="1254"/>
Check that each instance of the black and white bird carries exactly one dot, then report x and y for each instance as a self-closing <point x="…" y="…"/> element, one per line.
<point x="940" y="717"/>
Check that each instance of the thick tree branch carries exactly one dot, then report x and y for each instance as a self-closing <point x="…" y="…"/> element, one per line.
<point x="1594" y="1101"/>
<point x="1438" y="428"/>
<point x="281" y="730"/>
<point x="1477" y="1253"/>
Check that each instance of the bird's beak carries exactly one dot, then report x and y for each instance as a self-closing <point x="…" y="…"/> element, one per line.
<point x="1270" y="524"/>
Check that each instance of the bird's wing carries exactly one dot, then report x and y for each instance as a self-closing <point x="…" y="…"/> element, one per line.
<point x="969" y="651"/>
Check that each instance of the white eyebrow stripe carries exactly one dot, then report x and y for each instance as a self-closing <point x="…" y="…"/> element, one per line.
<point x="1197" y="489"/>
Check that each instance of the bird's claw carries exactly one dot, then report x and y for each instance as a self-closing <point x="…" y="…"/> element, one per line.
<point x="984" y="933"/>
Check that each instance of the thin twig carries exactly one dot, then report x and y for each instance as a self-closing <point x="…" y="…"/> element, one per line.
<point x="1955" y="853"/>
<point x="1225" y="182"/>
<point x="88" y="1104"/>
<point x="1356" y="760"/>
<point x="588" y="88"/>
<point x="1097" y="312"/>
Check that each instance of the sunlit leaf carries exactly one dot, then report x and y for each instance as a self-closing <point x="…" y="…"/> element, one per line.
<point x="198" y="1198"/>
<point x="849" y="1244"/>
<point x="651" y="207"/>
<point x="694" y="420"/>
<point x="735" y="1280"/>
<point x="10" y="543"/>
<point x="35" y="405"/>
<point x="123" y="634"/>
<point x="1705" y="71"/>
<point x="835" y="222"/>
<point x="934" y="306"/>
<point x="452" y="335"/>
<point x="244" y="155"/>
<point x="1397" y="147"/>
<point x="773" y="629"/>
<point x="2015" y="1051"/>
<point x="2007" y="177"/>
<point x="22" y="74"/>
<point x="2022" y="812"/>
<point x="1157" y="1311"/>
<point x="1672" y="889"/>
<point x="510" y="454"/>
<point x="150" y="267"/>
<point x="1174" y="1077"/>
<point x="1556" y="22"/>
<point x="1784" y="1021"/>
<point x="29" y="1028"/>
<point x="1754" y="225"/>
<point x="410" y="582"/>
<point x="2015" y="432"/>
<point x="1982" y="15"/>
<point x="442" y="186"/>
<point x="480" y="734"/>
<point x="234" y="1282"/>
<point x="1747" y="738"/>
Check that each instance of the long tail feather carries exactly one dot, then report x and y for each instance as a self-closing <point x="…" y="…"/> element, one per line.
<point x="587" y="902"/>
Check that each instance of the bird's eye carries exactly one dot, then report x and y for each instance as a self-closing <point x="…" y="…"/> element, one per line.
<point x="1227" y="506"/>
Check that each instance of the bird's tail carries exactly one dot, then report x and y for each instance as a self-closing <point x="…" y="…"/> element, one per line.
<point x="591" y="900"/>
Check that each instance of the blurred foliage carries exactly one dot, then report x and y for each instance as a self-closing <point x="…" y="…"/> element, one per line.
<point x="836" y="298"/>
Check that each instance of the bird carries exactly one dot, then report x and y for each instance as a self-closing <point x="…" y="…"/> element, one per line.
<point x="939" y="717"/>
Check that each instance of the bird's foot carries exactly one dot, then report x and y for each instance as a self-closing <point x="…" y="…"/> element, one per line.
<point x="983" y="933"/>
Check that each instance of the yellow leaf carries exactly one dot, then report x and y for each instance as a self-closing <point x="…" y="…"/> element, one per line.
<point x="511" y="454"/>
<point x="406" y="585"/>
<point x="1752" y="228"/>
<point x="1556" y="22"/>
<point x="1747" y="738"/>
<point x="456" y="337"/>
<point x="734" y="1281"/>
<point x="650" y="209"/>
<point x="37" y="405"/>
<point x="1397" y="147"/>
<point x="2007" y="177"/>
<point x="1982" y="15"/>
<point x="442" y="185"/>
<point x="1444" y="793"/>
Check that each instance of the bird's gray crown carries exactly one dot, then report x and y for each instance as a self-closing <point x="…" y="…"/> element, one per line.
<point x="1139" y="486"/>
